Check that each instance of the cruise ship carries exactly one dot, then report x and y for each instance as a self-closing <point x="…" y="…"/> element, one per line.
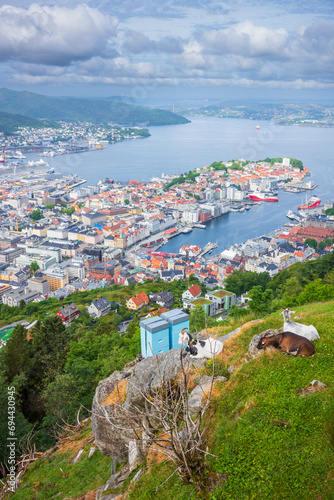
<point x="313" y="202"/>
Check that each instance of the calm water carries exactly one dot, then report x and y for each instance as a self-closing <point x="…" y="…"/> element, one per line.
<point x="181" y="148"/>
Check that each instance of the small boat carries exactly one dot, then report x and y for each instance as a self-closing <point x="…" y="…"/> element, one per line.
<point x="291" y="215"/>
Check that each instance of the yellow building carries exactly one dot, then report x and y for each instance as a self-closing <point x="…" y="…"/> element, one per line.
<point x="137" y="302"/>
<point x="57" y="278"/>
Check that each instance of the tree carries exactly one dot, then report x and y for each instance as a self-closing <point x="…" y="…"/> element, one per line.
<point x="311" y="243"/>
<point x="37" y="214"/>
<point x="260" y="301"/>
<point x="126" y="201"/>
<point x="50" y="341"/>
<point x="197" y="319"/>
<point x="17" y="353"/>
<point x="240" y="282"/>
<point x="9" y="394"/>
<point x="34" y="266"/>
<point x="316" y="291"/>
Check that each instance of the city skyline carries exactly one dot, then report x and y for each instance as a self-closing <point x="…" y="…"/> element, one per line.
<point x="227" y="50"/>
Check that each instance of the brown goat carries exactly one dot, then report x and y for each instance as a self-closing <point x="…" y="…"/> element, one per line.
<point x="288" y="342"/>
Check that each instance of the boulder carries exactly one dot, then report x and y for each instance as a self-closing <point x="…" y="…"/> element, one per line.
<point x="252" y="349"/>
<point x="108" y="423"/>
<point x="154" y="371"/>
<point x="314" y="386"/>
<point x="111" y="427"/>
<point x="197" y="398"/>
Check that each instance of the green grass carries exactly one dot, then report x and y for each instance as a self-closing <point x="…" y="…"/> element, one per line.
<point x="151" y="485"/>
<point x="262" y="459"/>
<point x="56" y="474"/>
<point x="265" y="460"/>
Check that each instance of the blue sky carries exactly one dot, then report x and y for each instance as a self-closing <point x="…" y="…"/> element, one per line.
<point x="174" y="49"/>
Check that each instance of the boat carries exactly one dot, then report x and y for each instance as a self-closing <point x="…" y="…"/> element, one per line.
<point x="187" y="230"/>
<point x="313" y="202"/>
<point x="263" y="196"/>
<point x="292" y="216"/>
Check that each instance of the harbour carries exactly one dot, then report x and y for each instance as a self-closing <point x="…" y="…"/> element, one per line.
<point x="174" y="149"/>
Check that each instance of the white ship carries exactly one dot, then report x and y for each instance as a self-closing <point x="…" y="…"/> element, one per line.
<point x="291" y="215"/>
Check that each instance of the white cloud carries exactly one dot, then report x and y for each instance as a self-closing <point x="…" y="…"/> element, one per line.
<point x="53" y="35"/>
<point x="245" y="39"/>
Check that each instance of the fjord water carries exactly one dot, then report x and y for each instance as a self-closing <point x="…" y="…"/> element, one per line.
<point x="180" y="148"/>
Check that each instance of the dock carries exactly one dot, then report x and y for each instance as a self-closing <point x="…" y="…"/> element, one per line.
<point x="208" y="248"/>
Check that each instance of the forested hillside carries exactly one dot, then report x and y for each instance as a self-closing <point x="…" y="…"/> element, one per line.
<point x="95" y="111"/>
<point x="10" y="123"/>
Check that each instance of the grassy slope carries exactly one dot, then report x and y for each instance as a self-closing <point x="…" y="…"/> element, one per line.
<point x="262" y="460"/>
<point x="57" y="475"/>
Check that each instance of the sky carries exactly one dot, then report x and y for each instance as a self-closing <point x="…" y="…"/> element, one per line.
<point x="172" y="49"/>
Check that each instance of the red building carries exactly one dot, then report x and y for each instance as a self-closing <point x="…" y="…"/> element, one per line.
<point x="68" y="313"/>
<point x="204" y="216"/>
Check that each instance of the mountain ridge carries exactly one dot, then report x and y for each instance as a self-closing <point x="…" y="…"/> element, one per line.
<point x="92" y="110"/>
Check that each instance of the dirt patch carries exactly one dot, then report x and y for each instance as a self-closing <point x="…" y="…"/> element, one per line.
<point x="214" y="393"/>
<point x="91" y="495"/>
<point x="156" y="453"/>
<point x="118" y="395"/>
<point x="74" y="445"/>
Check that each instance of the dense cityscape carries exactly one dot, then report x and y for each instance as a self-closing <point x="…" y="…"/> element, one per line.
<point x="59" y="235"/>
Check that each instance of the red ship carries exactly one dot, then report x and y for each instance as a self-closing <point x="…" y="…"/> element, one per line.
<point x="263" y="197"/>
<point x="314" y="201"/>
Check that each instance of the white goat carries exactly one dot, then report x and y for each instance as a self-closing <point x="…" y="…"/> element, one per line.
<point x="307" y="331"/>
<point x="200" y="348"/>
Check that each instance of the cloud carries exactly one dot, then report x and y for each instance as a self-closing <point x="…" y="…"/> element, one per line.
<point x="81" y="45"/>
<point x="136" y="42"/>
<point x="53" y="35"/>
<point x="245" y="39"/>
<point x="118" y="67"/>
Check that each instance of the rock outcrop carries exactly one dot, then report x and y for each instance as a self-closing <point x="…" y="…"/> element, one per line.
<point x="112" y="404"/>
<point x="252" y="349"/>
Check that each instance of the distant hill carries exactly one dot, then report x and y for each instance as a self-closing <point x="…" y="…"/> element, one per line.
<point x="10" y="123"/>
<point x="92" y="110"/>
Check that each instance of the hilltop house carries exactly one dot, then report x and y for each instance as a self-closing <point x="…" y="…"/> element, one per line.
<point x="99" y="307"/>
<point x="68" y="313"/>
<point x="215" y="302"/>
<point x="137" y="302"/>
<point x="163" y="299"/>
<point x="194" y="292"/>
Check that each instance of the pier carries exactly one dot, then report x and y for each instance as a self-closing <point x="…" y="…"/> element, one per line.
<point x="208" y="248"/>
